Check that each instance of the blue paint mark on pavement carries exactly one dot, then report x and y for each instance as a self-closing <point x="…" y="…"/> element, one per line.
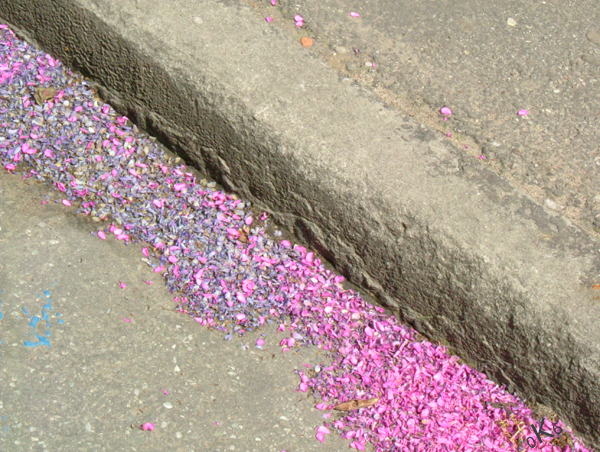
<point x="34" y="320"/>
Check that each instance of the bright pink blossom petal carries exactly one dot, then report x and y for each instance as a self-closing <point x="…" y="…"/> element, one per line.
<point x="355" y="14"/>
<point x="522" y="112"/>
<point x="102" y="235"/>
<point x="446" y="111"/>
<point x="148" y="426"/>
<point x="233" y="232"/>
<point x="66" y="202"/>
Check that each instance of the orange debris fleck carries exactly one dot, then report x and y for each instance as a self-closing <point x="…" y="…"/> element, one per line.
<point x="306" y="42"/>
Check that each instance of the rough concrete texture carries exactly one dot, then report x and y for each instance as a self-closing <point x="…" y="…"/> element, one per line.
<point x="486" y="61"/>
<point x="450" y="246"/>
<point x="117" y="351"/>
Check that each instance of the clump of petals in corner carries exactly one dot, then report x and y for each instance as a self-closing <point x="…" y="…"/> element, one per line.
<point x="446" y="112"/>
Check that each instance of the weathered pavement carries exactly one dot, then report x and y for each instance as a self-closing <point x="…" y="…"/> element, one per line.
<point x="102" y="376"/>
<point x="436" y="234"/>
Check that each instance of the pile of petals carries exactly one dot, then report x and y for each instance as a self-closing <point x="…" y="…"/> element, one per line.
<point x="212" y="250"/>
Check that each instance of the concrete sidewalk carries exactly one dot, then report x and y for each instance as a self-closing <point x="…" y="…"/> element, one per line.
<point x="124" y="357"/>
<point x="441" y="238"/>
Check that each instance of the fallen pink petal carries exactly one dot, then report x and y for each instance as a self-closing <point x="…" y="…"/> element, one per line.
<point x="126" y="320"/>
<point x="522" y="112"/>
<point x="445" y="111"/>
<point x="66" y="202"/>
<point x="321" y="432"/>
<point x="324" y="430"/>
<point x="102" y="235"/>
<point x="122" y="284"/>
<point x="234" y="232"/>
<point x="148" y="282"/>
<point x="269" y="19"/>
<point x="355" y="14"/>
<point x="148" y="426"/>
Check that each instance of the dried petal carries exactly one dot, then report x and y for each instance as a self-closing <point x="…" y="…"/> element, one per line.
<point x="355" y="404"/>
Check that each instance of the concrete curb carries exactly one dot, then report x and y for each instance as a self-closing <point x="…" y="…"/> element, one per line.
<point x="445" y="243"/>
